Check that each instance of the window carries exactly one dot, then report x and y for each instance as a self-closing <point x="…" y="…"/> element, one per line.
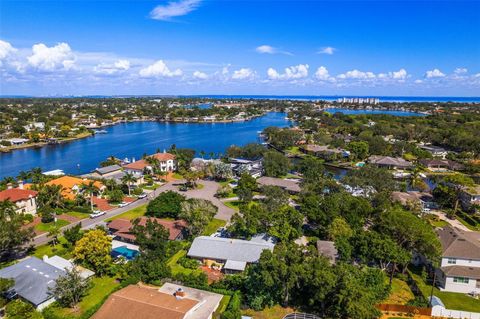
<point x="451" y="260"/>
<point x="460" y="280"/>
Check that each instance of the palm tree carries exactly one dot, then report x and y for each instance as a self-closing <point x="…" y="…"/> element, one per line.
<point x="128" y="179"/>
<point x="23" y="176"/>
<point x="54" y="232"/>
<point x="90" y="189"/>
<point x="50" y="196"/>
<point x="202" y="153"/>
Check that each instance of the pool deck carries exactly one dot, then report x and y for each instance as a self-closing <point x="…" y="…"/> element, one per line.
<point x="117" y="243"/>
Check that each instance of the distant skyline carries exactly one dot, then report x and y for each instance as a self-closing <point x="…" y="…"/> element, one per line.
<point x="195" y="47"/>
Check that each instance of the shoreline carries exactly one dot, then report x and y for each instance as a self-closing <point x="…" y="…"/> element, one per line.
<point x="9" y="149"/>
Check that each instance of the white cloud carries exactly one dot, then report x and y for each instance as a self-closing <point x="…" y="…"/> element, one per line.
<point x="418" y="81"/>
<point x="294" y="72"/>
<point x="200" y="75"/>
<point x="356" y="74"/>
<point x="118" y="66"/>
<point x="459" y="71"/>
<point x="174" y="9"/>
<point x="159" y="69"/>
<point x="243" y="74"/>
<point x="400" y="75"/>
<point x="435" y="73"/>
<point x="267" y="49"/>
<point x="327" y="50"/>
<point x="53" y="58"/>
<point x="322" y="74"/>
<point x="6" y="49"/>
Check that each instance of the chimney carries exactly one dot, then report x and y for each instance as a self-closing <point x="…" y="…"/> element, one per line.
<point x="9" y="186"/>
<point x="20" y="184"/>
<point x="179" y="294"/>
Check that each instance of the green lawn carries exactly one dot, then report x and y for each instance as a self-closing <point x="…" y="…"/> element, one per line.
<point x="46" y="227"/>
<point x="177" y="176"/>
<point x="176" y="268"/>
<point x="222" y="306"/>
<point x="151" y="187"/>
<point x="60" y="249"/>
<point x="78" y="215"/>
<point x="451" y="300"/>
<point x="467" y="224"/>
<point x="131" y="214"/>
<point x="213" y="226"/>
<point x="101" y="288"/>
<point x="400" y="294"/>
<point x="234" y="204"/>
<point x="275" y="312"/>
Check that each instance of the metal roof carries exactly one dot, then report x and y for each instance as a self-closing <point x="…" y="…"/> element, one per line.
<point x="235" y="265"/>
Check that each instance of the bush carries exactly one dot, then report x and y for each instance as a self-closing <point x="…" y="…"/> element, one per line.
<point x="47" y="216"/>
<point x="198" y="280"/>
<point x="137" y="191"/>
<point x="28" y="218"/>
<point x="167" y="204"/>
<point x="115" y="196"/>
<point x="188" y="263"/>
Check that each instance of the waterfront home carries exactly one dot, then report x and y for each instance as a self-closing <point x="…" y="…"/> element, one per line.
<point x="170" y="301"/>
<point x="253" y="167"/>
<point x="436" y="151"/>
<point x="290" y="185"/>
<point x="470" y="198"/>
<point x="389" y="162"/>
<point x="25" y="200"/>
<point x="422" y="199"/>
<point x="441" y="165"/>
<point x="122" y="228"/>
<point x="107" y="171"/>
<point x="231" y="255"/>
<point x="167" y="163"/>
<point x="73" y="186"/>
<point x="33" y="279"/>
<point x="327" y="249"/>
<point x="460" y="266"/>
<point x="17" y="141"/>
<point x="324" y="151"/>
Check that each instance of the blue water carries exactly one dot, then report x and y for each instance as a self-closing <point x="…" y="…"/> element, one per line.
<point x="133" y="140"/>
<point x="357" y="112"/>
<point x="128" y="253"/>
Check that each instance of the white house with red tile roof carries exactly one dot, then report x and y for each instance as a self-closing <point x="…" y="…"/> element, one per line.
<point x="24" y="199"/>
<point x="167" y="163"/>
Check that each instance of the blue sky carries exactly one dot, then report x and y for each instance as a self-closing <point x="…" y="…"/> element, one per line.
<point x="429" y="48"/>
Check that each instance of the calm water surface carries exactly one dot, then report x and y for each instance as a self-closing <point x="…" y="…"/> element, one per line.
<point x="135" y="139"/>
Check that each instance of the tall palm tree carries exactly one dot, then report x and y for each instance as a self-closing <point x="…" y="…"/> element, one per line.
<point x="23" y="175"/>
<point x="128" y="179"/>
<point x="91" y="189"/>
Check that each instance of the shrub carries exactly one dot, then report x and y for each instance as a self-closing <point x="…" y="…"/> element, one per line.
<point x="188" y="263"/>
<point x="167" y="204"/>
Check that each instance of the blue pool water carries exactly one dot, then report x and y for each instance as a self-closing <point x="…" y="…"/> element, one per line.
<point x="128" y="253"/>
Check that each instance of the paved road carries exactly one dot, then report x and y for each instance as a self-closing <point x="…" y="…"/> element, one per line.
<point x="207" y="192"/>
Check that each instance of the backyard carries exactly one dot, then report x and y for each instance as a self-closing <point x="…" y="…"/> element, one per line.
<point x="275" y="312"/>
<point x="61" y="249"/>
<point x="213" y="226"/>
<point x="400" y="294"/>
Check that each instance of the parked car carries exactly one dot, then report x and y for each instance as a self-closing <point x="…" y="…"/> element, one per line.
<point x="123" y="204"/>
<point x="142" y="195"/>
<point x="97" y="213"/>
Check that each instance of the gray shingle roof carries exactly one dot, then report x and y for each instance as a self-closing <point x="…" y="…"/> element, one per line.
<point x="32" y="278"/>
<point x="108" y="169"/>
<point x="457" y="243"/>
<point x="227" y="249"/>
<point x="462" y="271"/>
<point x="288" y="184"/>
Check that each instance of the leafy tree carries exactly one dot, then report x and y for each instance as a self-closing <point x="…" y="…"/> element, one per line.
<point x="245" y="188"/>
<point x="115" y="196"/>
<point x="18" y="309"/>
<point x="379" y="179"/>
<point x="70" y="288"/>
<point x="339" y="228"/>
<point x="197" y="213"/>
<point x="359" y="150"/>
<point x="13" y="236"/>
<point x="285" y="224"/>
<point x="50" y="196"/>
<point x="275" y="164"/>
<point x="222" y="171"/>
<point x="93" y="251"/>
<point x="73" y="234"/>
<point x="128" y="179"/>
<point x="312" y="170"/>
<point x="275" y="197"/>
<point x="184" y="156"/>
<point x="167" y="204"/>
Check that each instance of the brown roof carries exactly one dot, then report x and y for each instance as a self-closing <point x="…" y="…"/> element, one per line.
<point x="122" y="227"/>
<point x="134" y="302"/>
<point x="141" y="164"/>
<point x="321" y="148"/>
<point x="441" y="163"/>
<point x="389" y="161"/>
<point x="458" y="243"/>
<point x="17" y="194"/>
<point x="462" y="271"/>
<point x="411" y="196"/>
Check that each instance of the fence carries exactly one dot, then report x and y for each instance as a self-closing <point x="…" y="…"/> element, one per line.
<point x="300" y="316"/>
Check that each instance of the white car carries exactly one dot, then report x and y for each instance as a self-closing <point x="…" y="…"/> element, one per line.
<point x="97" y="213"/>
<point x="123" y="204"/>
<point x="142" y="195"/>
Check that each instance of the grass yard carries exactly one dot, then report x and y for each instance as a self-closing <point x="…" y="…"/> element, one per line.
<point x="131" y="214"/>
<point x="275" y="312"/>
<point x="222" y="306"/>
<point x="151" y="187"/>
<point x="177" y="176"/>
<point x="213" y="226"/>
<point x="78" y="215"/>
<point x="400" y="294"/>
<point x="101" y="288"/>
<point x="451" y="300"/>
<point x="177" y="268"/>
<point x="60" y="249"/>
<point x="234" y="204"/>
<point x="46" y="227"/>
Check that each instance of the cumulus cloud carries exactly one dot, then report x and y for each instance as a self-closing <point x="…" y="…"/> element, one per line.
<point x="117" y="67"/>
<point x="200" y="75"/>
<point x="326" y="50"/>
<point x="435" y="73"/>
<point x="399" y="75"/>
<point x="6" y="49"/>
<point x="159" y="69"/>
<point x="166" y="12"/>
<point x="356" y="74"/>
<point x="53" y="58"/>
<point x="322" y="74"/>
<point x="267" y="49"/>
<point x="291" y="73"/>
<point x="243" y="74"/>
<point x="459" y="71"/>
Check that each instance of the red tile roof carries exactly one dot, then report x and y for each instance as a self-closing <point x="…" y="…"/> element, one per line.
<point x="17" y="194"/>
<point x="141" y="164"/>
<point x="122" y="227"/>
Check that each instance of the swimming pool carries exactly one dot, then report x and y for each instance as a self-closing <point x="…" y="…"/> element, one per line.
<point x="125" y="252"/>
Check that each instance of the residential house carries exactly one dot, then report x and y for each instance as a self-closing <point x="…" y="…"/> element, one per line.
<point x="166" y="161"/>
<point x="424" y="200"/>
<point x="252" y="167"/>
<point x="232" y="255"/>
<point x="460" y="267"/>
<point x="470" y="197"/>
<point x="325" y="152"/>
<point x="167" y="302"/>
<point x="17" y="141"/>
<point x="67" y="265"/>
<point x="327" y="249"/>
<point x="25" y="200"/>
<point x="122" y="228"/>
<point x="290" y="185"/>
<point x="73" y="186"/>
<point x="436" y="151"/>
<point x="113" y="172"/>
<point x="389" y="162"/>
<point x="33" y="279"/>
<point x="441" y="165"/>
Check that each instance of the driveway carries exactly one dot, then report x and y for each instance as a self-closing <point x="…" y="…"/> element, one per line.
<point x="453" y="222"/>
